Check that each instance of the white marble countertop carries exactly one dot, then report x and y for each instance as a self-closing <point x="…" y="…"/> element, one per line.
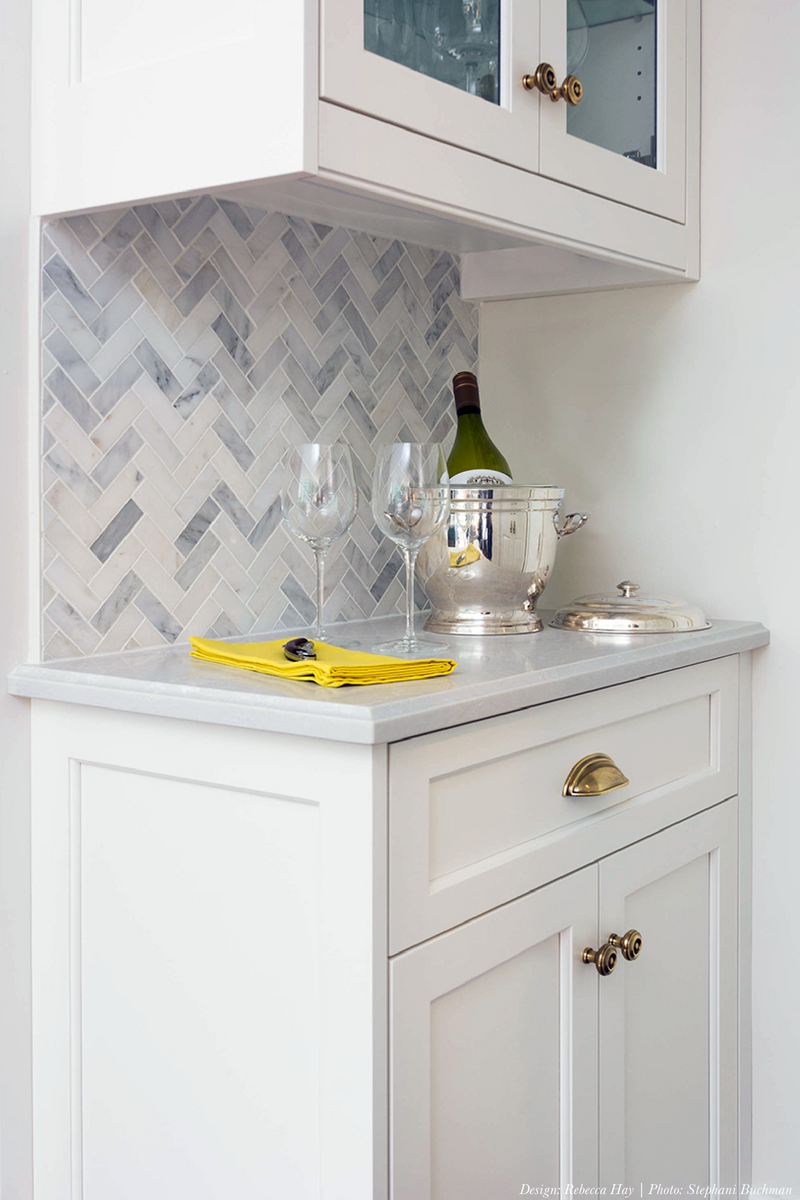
<point x="494" y="675"/>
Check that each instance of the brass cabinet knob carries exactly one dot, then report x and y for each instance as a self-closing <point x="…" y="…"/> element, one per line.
<point x="630" y="943"/>
<point x="545" y="80"/>
<point x="605" y="959"/>
<point x="594" y="775"/>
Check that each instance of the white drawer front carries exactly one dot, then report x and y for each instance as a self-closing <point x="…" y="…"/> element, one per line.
<point x="477" y="814"/>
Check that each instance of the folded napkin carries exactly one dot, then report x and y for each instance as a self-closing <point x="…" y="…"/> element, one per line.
<point x="332" y="667"/>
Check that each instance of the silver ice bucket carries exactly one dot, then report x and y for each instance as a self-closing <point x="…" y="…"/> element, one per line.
<point x="484" y="572"/>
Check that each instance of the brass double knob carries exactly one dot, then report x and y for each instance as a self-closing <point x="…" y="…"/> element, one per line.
<point x="605" y="959"/>
<point x="545" y="80"/>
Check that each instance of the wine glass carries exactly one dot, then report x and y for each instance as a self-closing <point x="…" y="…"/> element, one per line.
<point x="410" y="503"/>
<point x="318" y="500"/>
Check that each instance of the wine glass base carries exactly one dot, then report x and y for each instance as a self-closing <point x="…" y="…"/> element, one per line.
<point x="412" y="648"/>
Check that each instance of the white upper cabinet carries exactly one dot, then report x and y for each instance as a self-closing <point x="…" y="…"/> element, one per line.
<point x="626" y="139"/>
<point x="454" y="70"/>
<point x="454" y="123"/>
<point x="449" y="69"/>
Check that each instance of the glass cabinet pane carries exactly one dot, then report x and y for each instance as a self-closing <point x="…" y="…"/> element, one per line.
<point x="611" y="47"/>
<point x="454" y="41"/>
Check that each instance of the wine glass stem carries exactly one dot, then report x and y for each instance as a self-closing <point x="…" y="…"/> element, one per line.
<point x="411" y="560"/>
<point x="319" y="555"/>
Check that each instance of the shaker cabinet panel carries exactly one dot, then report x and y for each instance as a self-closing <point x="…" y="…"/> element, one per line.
<point x="493" y="1068"/>
<point x="140" y="101"/>
<point x="668" y="1020"/>
<point x="478" y="816"/>
<point x="502" y="1069"/>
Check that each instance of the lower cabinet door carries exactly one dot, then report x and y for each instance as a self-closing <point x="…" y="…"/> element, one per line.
<point x="668" y="1019"/>
<point x="493" y="1067"/>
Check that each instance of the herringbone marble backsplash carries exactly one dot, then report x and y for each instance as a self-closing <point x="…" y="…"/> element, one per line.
<point x="186" y="345"/>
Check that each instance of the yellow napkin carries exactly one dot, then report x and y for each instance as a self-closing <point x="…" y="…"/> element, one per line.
<point x="332" y="667"/>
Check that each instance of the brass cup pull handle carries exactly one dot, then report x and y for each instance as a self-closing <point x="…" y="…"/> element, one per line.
<point x="630" y="943"/>
<point x="545" y="80"/>
<point x="605" y="959"/>
<point x="594" y="775"/>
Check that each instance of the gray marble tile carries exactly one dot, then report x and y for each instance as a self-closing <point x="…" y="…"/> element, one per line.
<point x="235" y="346"/>
<point x="194" y="220"/>
<point x="168" y="211"/>
<point x="197" y="254"/>
<point x="331" y="279"/>
<point x="159" y="617"/>
<point x="233" y="507"/>
<point x="115" y="314"/>
<point x="237" y="217"/>
<point x="116" y="386"/>
<point x="301" y="414"/>
<point x="386" y="576"/>
<point x="84" y="229"/>
<point x="158" y="370"/>
<point x="198" y="389"/>
<point x="330" y="369"/>
<point x="234" y="278"/>
<point x="158" y="229"/>
<point x="234" y="442"/>
<point x="115" y="459"/>
<point x="300" y="257"/>
<point x="270" y="360"/>
<point x="360" y="329"/>
<point x="194" y="530"/>
<point x="62" y="614"/>
<point x="413" y="391"/>
<point x="266" y="525"/>
<point x="158" y="265"/>
<point x="73" y="474"/>
<point x="117" y="529"/>
<point x="198" y="286"/>
<point x="331" y="309"/>
<point x="73" y="401"/>
<point x="63" y="278"/>
<point x="233" y="310"/>
<point x="388" y="260"/>
<point x="118" y="274"/>
<point x="111" y="609"/>
<point x="234" y="410"/>
<point x="115" y="241"/>
<point x="438" y="271"/>
<point x="304" y="232"/>
<point x="323" y="336"/>
<point x="298" y="598"/>
<point x="191" y="567"/>
<point x="393" y="281"/>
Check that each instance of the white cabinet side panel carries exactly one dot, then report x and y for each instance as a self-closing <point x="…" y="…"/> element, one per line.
<point x="200" y="1043"/>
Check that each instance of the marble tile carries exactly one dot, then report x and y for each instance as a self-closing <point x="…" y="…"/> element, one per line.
<point x="107" y="542"/>
<point x="188" y="344"/>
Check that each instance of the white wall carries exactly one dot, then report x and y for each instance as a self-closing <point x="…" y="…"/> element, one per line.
<point x="15" y="1054"/>
<point x="673" y="415"/>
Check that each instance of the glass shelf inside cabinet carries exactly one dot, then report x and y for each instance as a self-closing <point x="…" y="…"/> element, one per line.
<point x="454" y="41"/>
<point x="611" y="47"/>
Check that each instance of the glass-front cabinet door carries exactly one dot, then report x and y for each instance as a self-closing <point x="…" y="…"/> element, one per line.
<point x="449" y="69"/>
<point x="588" y="92"/>
<point x="625" y="138"/>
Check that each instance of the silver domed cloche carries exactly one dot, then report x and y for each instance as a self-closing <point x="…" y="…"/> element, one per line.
<point x="629" y="613"/>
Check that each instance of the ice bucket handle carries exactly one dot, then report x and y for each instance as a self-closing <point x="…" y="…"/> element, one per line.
<point x="572" y="523"/>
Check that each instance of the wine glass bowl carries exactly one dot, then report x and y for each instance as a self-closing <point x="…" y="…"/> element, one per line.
<point x="319" y="499"/>
<point x="410" y="503"/>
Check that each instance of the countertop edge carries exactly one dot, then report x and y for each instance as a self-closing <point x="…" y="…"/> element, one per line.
<point x="365" y="726"/>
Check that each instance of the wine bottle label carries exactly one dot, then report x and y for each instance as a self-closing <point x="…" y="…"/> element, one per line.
<point x="479" y="477"/>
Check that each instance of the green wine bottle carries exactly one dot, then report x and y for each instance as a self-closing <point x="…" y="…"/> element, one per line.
<point x="474" y="460"/>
